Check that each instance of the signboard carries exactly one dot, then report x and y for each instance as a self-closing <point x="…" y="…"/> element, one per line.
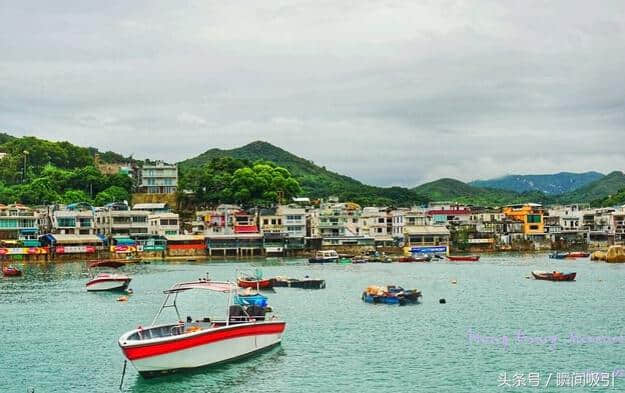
<point x="428" y="250"/>
<point x="123" y="248"/>
<point x="75" y="249"/>
<point x="273" y="249"/>
<point x="23" y="251"/>
<point x="152" y="247"/>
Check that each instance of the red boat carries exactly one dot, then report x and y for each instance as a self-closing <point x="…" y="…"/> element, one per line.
<point x="10" y="271"/>
<point x="251" y="282"/>
<point x="578" y="254"/>
<point x="463" y="258"/>
<point x="554" y="276"/>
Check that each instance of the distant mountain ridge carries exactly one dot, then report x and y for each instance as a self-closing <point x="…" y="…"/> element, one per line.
<point x="550" y="184"/>
<point x="318" y="182"/>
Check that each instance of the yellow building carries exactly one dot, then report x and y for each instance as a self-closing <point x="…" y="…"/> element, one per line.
<point x="530" y="214"/>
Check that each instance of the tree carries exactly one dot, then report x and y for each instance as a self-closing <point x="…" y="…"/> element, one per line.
<point x="75" y="196"/>
<point x="110" y="195"/>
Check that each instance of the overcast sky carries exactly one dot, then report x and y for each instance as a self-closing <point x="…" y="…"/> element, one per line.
<point x="389" y="92"/>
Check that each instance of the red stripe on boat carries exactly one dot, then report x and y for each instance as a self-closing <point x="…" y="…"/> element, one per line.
<point x="148" y="350"/>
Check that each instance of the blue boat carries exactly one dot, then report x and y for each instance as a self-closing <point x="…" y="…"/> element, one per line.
<point x="558" y="255"/>
<point x="251" y="300"/>
<point x="390" y="295"/>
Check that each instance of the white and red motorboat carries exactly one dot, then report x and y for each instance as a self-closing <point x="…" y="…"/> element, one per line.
<point x="108" y="281"/>
<point x="160" y="349"/>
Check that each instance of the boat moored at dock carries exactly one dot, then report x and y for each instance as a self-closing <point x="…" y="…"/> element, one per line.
<point x="390" y="294"/>
<point x="11" y="271"/>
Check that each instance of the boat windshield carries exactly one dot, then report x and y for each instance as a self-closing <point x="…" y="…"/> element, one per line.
<point x="216" y="286"/>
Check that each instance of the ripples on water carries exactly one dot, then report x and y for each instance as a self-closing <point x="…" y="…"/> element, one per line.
<point x="56" y="337"/>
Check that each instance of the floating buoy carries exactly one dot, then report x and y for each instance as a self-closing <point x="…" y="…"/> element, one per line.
<point x="454" y="282"/>
<point x="122" y="299"/>
<point x="442" y="301"/>
<point x="129" y="291"/>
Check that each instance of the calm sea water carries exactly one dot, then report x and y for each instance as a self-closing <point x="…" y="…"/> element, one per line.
<point x="56" y="337"/>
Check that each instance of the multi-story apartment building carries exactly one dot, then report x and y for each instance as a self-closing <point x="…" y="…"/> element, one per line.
<point x="163" y="224"/>
<point x="158" y="178"/>
<point x="117" y="219"/>
<point x="73" y="219"/>
<point x="531" y="216"/>
<point x="18" y="222"/>
<point x="402" y="218"/>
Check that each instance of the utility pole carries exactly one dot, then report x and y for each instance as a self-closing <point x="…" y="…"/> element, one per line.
<point x="24" y="168"/>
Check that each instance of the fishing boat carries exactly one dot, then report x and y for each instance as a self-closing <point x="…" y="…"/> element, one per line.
<point x="159" y="349"/>
<point x="554" y="276"/>
<point x="463" y="258"/>
<point x="107" y="281"/>
<point x="11" y="271"/>
<point x="325" y="256"/>
<point x="306" y="283"/>
<point x="390" y="294"/>
<point x="578" y="254"/>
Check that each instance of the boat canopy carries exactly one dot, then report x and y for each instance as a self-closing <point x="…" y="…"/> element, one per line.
<point x="217" y="286"/>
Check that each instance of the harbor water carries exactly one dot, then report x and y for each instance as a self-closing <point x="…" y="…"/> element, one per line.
<point x="497" y="327"/>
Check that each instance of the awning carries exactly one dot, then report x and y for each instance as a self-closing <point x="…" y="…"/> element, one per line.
<point x="28" y="230"/>
<point x="74" y="239"/>
<point x="245" y="229"/>
<point x="124" y="241"/>
<point x="184" y="238"/>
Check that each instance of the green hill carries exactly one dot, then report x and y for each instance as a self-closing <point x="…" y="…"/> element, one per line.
<point x="316" y="181"/>
<point x="608" y="185"/>
<point x="457" y="191"/>
<point x="551" y="184"/>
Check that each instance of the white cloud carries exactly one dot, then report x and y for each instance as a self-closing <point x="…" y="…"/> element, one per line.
<point x="390" y="92"/>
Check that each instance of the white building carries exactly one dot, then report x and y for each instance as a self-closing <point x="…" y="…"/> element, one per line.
<point x="118" y="219"/>
<point x="164" y="224"/>
<point x="75" y="219"/>
<point x="159" y="178"/>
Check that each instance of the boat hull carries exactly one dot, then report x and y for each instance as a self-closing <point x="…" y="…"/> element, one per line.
<point x="552" y="277"/>
<point x="468" y="258"/>
<point x="11" y="272"/>
<point x="323" y="260"/>
<point x="305" y="284"/>
<point x="108" y="284"/>
<point x="204" y="348"/>
<point x="255" y="284"/>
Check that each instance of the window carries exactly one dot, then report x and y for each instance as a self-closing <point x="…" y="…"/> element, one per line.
<point x="379" y="230"/>
<point x="380" y="221"/>
<point x="64" y="222"/>
<point x="533" y="218"/>
<point x="265" y="221"/>
<point x="139" y="219"/>
<point x="533" y="227"/>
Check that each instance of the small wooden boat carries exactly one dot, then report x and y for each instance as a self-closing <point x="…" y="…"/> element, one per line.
<point x="558" y="255"/>
<point x="578" y="254"/>
<point x="252" y="282"/>
<point x="554" y="276"/>
<point x="345" y="261"/>
<point x="390" y="294"/>
<point x="463" y="258"/>
<point x="359" y="260"/>
<point x="306" y="283"/>
<point x="11" y="271"/>
<point x="249" y="298"/>
<point x="325" y="256"/>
